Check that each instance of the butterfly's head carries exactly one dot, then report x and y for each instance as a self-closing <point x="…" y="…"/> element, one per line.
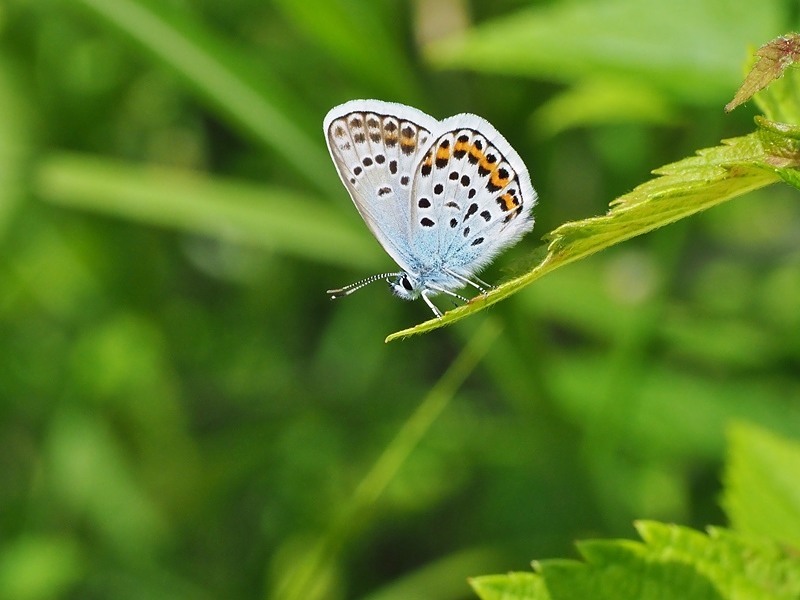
<point x="404" y="286"/>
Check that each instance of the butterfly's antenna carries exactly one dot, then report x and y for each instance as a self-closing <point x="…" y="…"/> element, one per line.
<point x="354" y="287"/>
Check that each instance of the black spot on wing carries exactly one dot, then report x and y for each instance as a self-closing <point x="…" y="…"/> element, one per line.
<point x="473" y="208"/>
<point x="461" y="147"/>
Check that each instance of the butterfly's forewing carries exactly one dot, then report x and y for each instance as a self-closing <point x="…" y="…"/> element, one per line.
<point x="471" y="197"/>
<point x="376" y="147"/>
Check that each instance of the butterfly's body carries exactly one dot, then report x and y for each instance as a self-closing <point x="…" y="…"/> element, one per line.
<point x="443" y="198"/>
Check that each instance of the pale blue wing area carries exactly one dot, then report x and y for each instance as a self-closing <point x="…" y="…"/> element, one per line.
<point x="376" y="147"/>
<point x="471" y="198"/>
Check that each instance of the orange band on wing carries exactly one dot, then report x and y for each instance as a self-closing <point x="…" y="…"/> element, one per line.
<point x="498" y="180"/>
<point x="507" y="201"/>
<point x="476" y="155"/>
<point x="408" y="145"/>
<point x="461" y="148"/>
<point x="485" y="164"/>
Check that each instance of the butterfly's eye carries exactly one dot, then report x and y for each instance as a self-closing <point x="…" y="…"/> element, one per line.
<point x="402" y="286"/>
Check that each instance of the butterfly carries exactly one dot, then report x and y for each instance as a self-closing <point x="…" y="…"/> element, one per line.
<point x="443" y="198"/>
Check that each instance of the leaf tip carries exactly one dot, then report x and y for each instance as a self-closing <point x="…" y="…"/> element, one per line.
<point x="772" y="59"/>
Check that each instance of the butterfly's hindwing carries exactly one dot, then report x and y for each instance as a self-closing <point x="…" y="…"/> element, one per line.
<point x="479" y="192"/>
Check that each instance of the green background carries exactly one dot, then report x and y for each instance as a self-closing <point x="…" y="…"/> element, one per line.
<point x="185" y="414"/>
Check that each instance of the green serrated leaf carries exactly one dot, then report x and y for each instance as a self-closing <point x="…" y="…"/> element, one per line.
<point x="671" y="562"/>
<point x="688" y="48"/>
<point x="684" y="188"/>
<point x="762" y="486"/>
<point x="781" y="142"/>
<point x="739" y="567"/>
<point x="514" y="586"/>
<point x="621" y="570"/>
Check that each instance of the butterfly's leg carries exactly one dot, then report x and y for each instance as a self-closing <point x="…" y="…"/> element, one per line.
<point x="440" y="290"/>
<point x="481" y="286"/>
<point x="432" y="306"/>
<point x="488" y="286"/>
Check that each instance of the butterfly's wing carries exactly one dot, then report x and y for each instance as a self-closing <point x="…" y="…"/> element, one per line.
<point x="471" y="196"/>
<point x="376" y="147"/>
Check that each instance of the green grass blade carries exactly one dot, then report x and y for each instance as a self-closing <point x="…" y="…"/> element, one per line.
<point x="439" y="579"/>
<point x="216" y="73"/>
<point x="276" y="218"/>
<point x="602" y="101"/>
<point x="15" y="145"/>
<point x="339" y="28"/>
<point x="302" y="579"/>
<point x="683" y="189"/>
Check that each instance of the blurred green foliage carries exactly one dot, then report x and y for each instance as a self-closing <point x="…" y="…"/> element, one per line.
<point x="184" y="412"/>
<point x="758" y="559"/>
